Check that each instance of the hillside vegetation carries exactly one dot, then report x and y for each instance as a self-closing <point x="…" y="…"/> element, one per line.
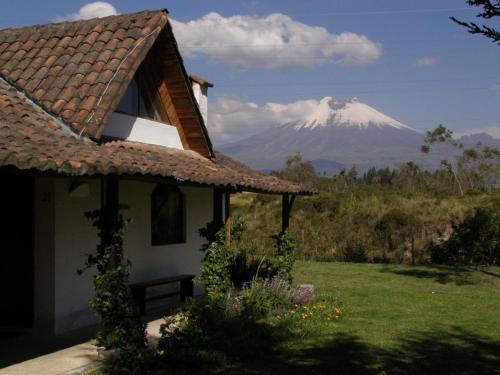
<point x="383" y="216"/>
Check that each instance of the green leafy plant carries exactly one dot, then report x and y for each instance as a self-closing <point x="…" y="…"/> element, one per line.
<point x="285" y="257"/>
<point x="121" y="325"/>
<point x="476" y="241"/>
<point x="215" y="266"/>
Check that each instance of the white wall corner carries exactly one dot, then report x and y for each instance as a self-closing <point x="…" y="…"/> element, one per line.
<point x="201" y="95"/>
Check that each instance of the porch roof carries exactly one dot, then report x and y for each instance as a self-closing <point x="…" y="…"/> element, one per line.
<point x="32" y="139"/>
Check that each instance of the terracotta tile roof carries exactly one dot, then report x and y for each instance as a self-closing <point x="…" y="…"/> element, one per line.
<point x="31" y="139"/>
<point x="78" y="71"/>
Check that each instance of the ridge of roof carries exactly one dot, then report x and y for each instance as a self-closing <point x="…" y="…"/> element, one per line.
<point x="58" y="23"/>
<point x="37" y="107"/>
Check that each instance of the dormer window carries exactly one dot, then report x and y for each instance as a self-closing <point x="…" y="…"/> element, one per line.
<point x="137" y="100"/>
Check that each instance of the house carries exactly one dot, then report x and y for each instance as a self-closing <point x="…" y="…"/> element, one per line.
<point x="101" y="114"/>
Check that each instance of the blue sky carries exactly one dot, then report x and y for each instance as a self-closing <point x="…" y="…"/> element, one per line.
<point x="457" y="81"/>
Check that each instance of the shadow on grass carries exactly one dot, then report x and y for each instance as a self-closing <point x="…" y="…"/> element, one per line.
<point x="440" y="274"/>
<point x="457" y="352"/>
<point x="491" y="273"/>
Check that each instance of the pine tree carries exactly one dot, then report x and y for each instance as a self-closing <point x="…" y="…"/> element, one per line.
<point x="490" y="10"/>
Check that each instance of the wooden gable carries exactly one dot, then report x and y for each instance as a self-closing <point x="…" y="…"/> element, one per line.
<point x="166" y="77"/>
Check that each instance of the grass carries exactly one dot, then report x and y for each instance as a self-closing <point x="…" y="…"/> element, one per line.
<point x="397" y="320"/>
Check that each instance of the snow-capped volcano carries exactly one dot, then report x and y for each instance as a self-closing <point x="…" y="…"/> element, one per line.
<point x="351" y="112"/>
<point x="340" y="132"/>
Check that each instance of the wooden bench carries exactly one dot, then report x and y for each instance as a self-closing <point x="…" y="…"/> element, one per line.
<point x="139" y="289"/>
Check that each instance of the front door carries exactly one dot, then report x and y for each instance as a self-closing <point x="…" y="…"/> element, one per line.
<point x="16" y="252"/>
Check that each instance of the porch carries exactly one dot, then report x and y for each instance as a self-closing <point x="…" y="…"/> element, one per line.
<point x="45" y="239"/>
<point x="66" y="354"/>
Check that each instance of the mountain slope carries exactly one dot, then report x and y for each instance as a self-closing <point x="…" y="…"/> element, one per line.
<point x="344" y="131"/>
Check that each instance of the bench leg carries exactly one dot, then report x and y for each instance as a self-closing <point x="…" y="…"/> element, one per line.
<point x="187" y="288"/>
<point x="139" y="295"/>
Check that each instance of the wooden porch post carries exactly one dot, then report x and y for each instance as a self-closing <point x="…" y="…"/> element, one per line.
<point x="227" y="219"/>
<point x="109" y="209"/>
<point x="286" y="208"/>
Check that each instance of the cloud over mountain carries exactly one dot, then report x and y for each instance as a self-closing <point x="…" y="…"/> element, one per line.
<point x="275" y="41"/>
<point x="233" y="118"/>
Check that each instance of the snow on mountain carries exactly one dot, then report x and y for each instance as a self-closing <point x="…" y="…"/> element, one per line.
<point x="335" y="112"/>
<point x="336" y="133"/>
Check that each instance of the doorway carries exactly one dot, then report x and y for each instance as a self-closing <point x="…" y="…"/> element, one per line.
<point x="16" y="251"/>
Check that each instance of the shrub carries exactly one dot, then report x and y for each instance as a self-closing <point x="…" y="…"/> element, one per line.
<point x="214" y="331"/>
<point x="285" y="257"/>
<point x="261" y="297"/>
<point x="215" y="266"/>
<point x="121" y="326"/>
<point x="476" y="241"/>
<point x="354" y="252"/>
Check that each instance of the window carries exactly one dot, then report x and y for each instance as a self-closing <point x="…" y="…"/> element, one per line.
<point x="138" y="100"/>
<point x="167" y="215"/>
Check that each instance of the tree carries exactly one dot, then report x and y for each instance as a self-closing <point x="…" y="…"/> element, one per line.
<point x="442" y="135"/>
<point x="490" y="9"/>
<point x="396" y="228"/>
<point x="298" y="170"/>
<point x="480" y="165"/>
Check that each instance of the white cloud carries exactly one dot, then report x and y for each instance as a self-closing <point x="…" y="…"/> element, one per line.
<point x="275" y="41"/>
<point x="495" y="87"/>
<point x="232" y="118"/>
<point x="426" y="62"/>
<point x="90" y="10"/>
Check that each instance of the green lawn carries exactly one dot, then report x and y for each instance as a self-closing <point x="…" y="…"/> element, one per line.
<point x="397" y="320"/>
<point x="405" y="320"/>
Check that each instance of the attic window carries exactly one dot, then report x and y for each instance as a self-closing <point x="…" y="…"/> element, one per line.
<point x="138" y="100"/>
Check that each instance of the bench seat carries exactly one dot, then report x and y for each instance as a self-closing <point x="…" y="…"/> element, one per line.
<point x="140" y="296"/>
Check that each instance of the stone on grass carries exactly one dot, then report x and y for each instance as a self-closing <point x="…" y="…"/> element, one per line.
<point x="303" y="293"/>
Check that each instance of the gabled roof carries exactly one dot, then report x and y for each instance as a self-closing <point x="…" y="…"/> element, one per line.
<point x="78" y="71"/>
<point x="32" y="140"/>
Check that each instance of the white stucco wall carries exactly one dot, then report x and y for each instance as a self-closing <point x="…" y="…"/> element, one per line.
<point x="148" y="261"/>
<point x="138" y="129"/>
<point x="201" y="95"/>
<point x="74" y="237"/>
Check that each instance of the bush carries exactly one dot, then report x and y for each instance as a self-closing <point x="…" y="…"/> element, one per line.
<point x="354" y="252"/>
<point x="225" y="266"/>
<point x="476" y="241"/>
<point x="215" y="266"/>
<point x="285" y="257"/>
<point x="261" y="297"/>
<point x="121" y="326"/>
<point x="215" y="331"/>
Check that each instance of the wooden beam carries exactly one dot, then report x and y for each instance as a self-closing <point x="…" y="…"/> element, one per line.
<point x="217" y="206"/>
<point x="227" y="221"/>
<point x="285" y="213"/>
<point x="286" y="210"/>
<point x="109" y="210"/>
